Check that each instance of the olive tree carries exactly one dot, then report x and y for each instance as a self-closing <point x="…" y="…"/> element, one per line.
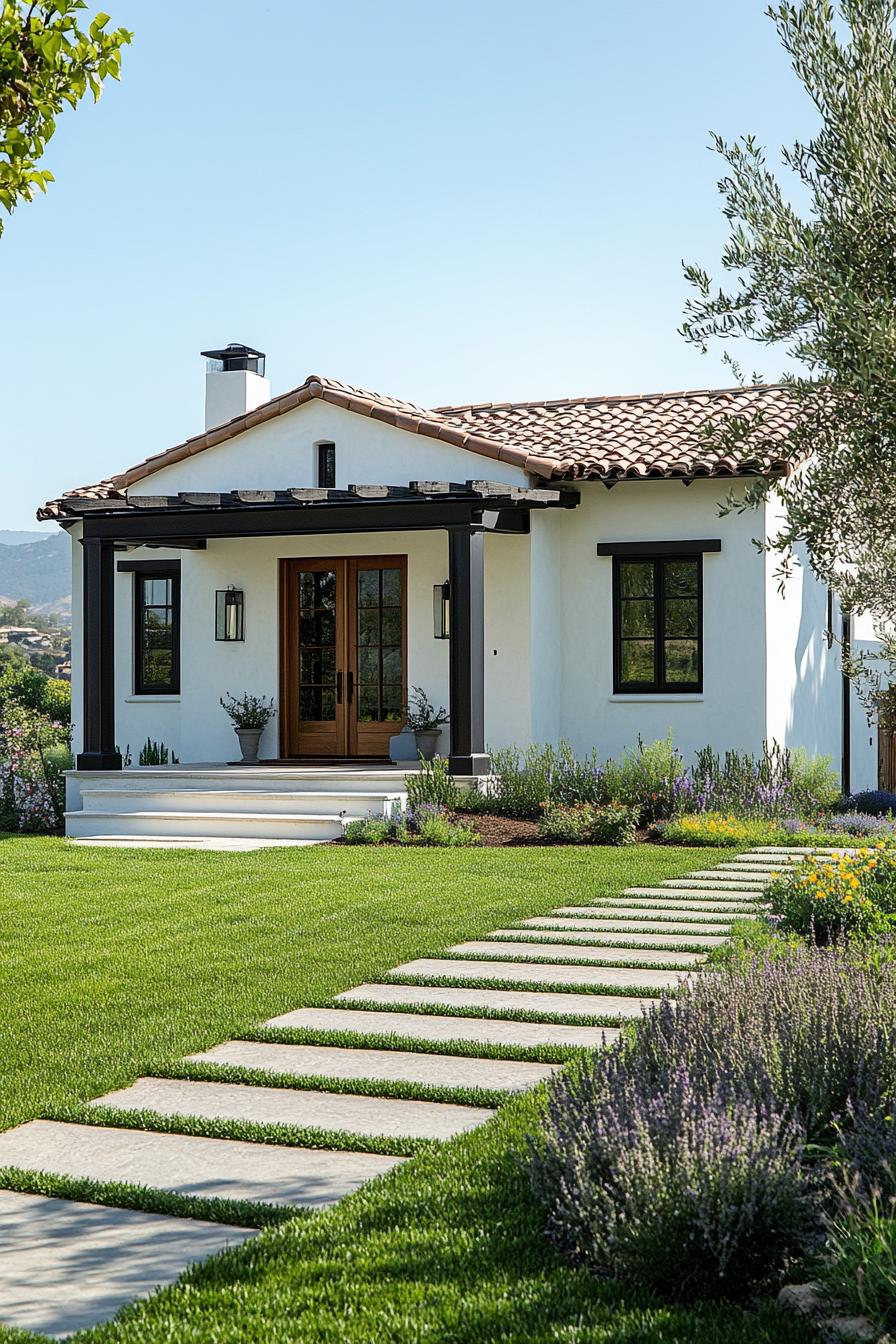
<point x="811" y="271"/>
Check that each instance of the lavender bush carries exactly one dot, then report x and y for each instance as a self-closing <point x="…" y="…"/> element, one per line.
<point x="679" y="1193"/>
<point x="718" y="1099"/>
<point x="777" y="783"/>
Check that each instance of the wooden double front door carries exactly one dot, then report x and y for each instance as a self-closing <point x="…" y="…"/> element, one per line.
<point x="343" y="654"/>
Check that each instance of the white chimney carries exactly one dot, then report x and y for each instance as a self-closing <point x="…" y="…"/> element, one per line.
<point x="234" y="383"/>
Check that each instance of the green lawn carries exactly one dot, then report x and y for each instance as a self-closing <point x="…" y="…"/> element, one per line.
<point x="116" y="963"/>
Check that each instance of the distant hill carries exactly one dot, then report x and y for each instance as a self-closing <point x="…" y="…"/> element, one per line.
<point x="39" y="571"/>
<point x="9" y="538"/>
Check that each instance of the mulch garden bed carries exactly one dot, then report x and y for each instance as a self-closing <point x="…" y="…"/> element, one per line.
<point x="499" y="831"/>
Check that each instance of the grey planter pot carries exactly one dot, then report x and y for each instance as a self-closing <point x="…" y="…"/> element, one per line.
<point x="426" y="742"/>
<point x="249" y="740"/>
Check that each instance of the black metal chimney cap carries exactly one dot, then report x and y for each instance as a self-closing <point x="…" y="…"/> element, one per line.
<point x="236" y="356"/>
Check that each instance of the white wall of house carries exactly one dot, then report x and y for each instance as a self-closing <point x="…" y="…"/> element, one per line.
<point x="281" y="453"/>
<point x="573" y="662"/>
<point x="768" y="673"/>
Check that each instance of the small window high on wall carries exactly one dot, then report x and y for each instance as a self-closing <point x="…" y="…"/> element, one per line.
<point x="326" y="466"/>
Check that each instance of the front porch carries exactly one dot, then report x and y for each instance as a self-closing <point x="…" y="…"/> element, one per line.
<point x="367" y="556"/>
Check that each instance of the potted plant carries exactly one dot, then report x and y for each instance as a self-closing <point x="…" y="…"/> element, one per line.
<point x="425" y="722"/>
<point x="251" y="714"/>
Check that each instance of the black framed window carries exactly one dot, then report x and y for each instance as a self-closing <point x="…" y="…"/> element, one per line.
<point x="657" y="623"/>
<point x="156" y="633"/>
<point x="326" y="466"/>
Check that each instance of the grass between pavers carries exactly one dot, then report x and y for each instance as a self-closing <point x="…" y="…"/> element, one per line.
<point x="545" y="986"/>
<point x="503" y="959"/>
<point x="446" y="1249"/>
<point x="246" y="1131"/>
<point x="495" y="1014"/>
<point x="626" y="943"/>
<point x="117" y="963"/>
<point x="120" y="1195"/>
<point x="371" y="1040"/>
<point x="397" y="1089"/>
<point x="662" y="917"/>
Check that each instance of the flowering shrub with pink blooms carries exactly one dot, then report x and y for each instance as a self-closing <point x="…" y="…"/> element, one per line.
<point x="34" y="752"/>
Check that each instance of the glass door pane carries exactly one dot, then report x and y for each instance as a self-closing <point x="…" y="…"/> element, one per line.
<point x="317" y="645"/>
<point x="380" y="654"/>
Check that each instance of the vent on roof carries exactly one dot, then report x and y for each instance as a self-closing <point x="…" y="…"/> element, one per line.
<point x="234" y="383"/>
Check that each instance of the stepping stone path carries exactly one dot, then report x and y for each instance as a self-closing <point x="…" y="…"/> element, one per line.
<point x="567" y="979"/>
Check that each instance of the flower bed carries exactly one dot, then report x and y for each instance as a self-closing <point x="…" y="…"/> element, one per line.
<point x="706" y="1153"/>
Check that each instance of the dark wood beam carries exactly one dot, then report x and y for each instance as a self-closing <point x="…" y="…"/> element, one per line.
<point x="98" y="751"/>
<point x="650" y="548"/>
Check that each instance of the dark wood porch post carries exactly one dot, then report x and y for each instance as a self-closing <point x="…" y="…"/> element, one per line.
<point x="466" y="652"/>
<point x="99" y="751"/>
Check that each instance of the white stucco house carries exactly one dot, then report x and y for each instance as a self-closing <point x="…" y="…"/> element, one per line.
<point x="547" y="570"/>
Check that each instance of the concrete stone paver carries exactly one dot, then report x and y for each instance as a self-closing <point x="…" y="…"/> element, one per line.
<point x="561" y="931"/>
<point x="439" y="967"/>
<point x="220" y="1168"/>
<point x="571" y="951"/>
<point x="330" y="1061"/>
<point x="432" y="1027"/>
<point x="626" y="913"/>
<point x="349" y="1113"/>
<point x="66" y="1266"/>
<point x="720" y="895"/>
<point x="501" y="1000"/>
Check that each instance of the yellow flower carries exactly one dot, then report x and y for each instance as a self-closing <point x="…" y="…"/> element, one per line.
<point x="853" y="881"/>
<point x="847" y="898"/>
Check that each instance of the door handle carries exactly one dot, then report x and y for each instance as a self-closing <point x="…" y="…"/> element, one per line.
<point x="339" y="688"/>
<point x="351" y="687"/>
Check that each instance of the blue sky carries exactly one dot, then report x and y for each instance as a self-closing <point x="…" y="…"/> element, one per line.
<point x="472" y="201"/>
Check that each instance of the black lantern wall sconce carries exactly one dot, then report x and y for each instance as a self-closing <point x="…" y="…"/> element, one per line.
<point x="441" y="610"/>
<point x="229" y="614"/>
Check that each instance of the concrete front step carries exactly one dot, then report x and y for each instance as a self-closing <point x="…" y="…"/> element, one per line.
<point x="220" y="845"/>
<point x="220" y="1168"/>
<point x="577" y="931"/>
<point x="66" y="1266"/>
<point x="241" y="801"/>
<point x="610" y="911"/>
<point x="433" y="1028"/>
<point x="435" y="968"/>
<point x="501" y="1000"/>
<point x="346" y="1112"/>
<point x="331" y="1061"/>
<point x="572" y="951"/>
<point x="208" y="825"/>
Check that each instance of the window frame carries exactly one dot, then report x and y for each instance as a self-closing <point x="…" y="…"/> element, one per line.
<point x="141" y="577"/>
<point x="660" y="685"/>
<point x="326" y="457"/>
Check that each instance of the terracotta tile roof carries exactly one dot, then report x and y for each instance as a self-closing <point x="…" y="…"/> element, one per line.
<point x="637" y="437"/>
<point x="576" y="438"/>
